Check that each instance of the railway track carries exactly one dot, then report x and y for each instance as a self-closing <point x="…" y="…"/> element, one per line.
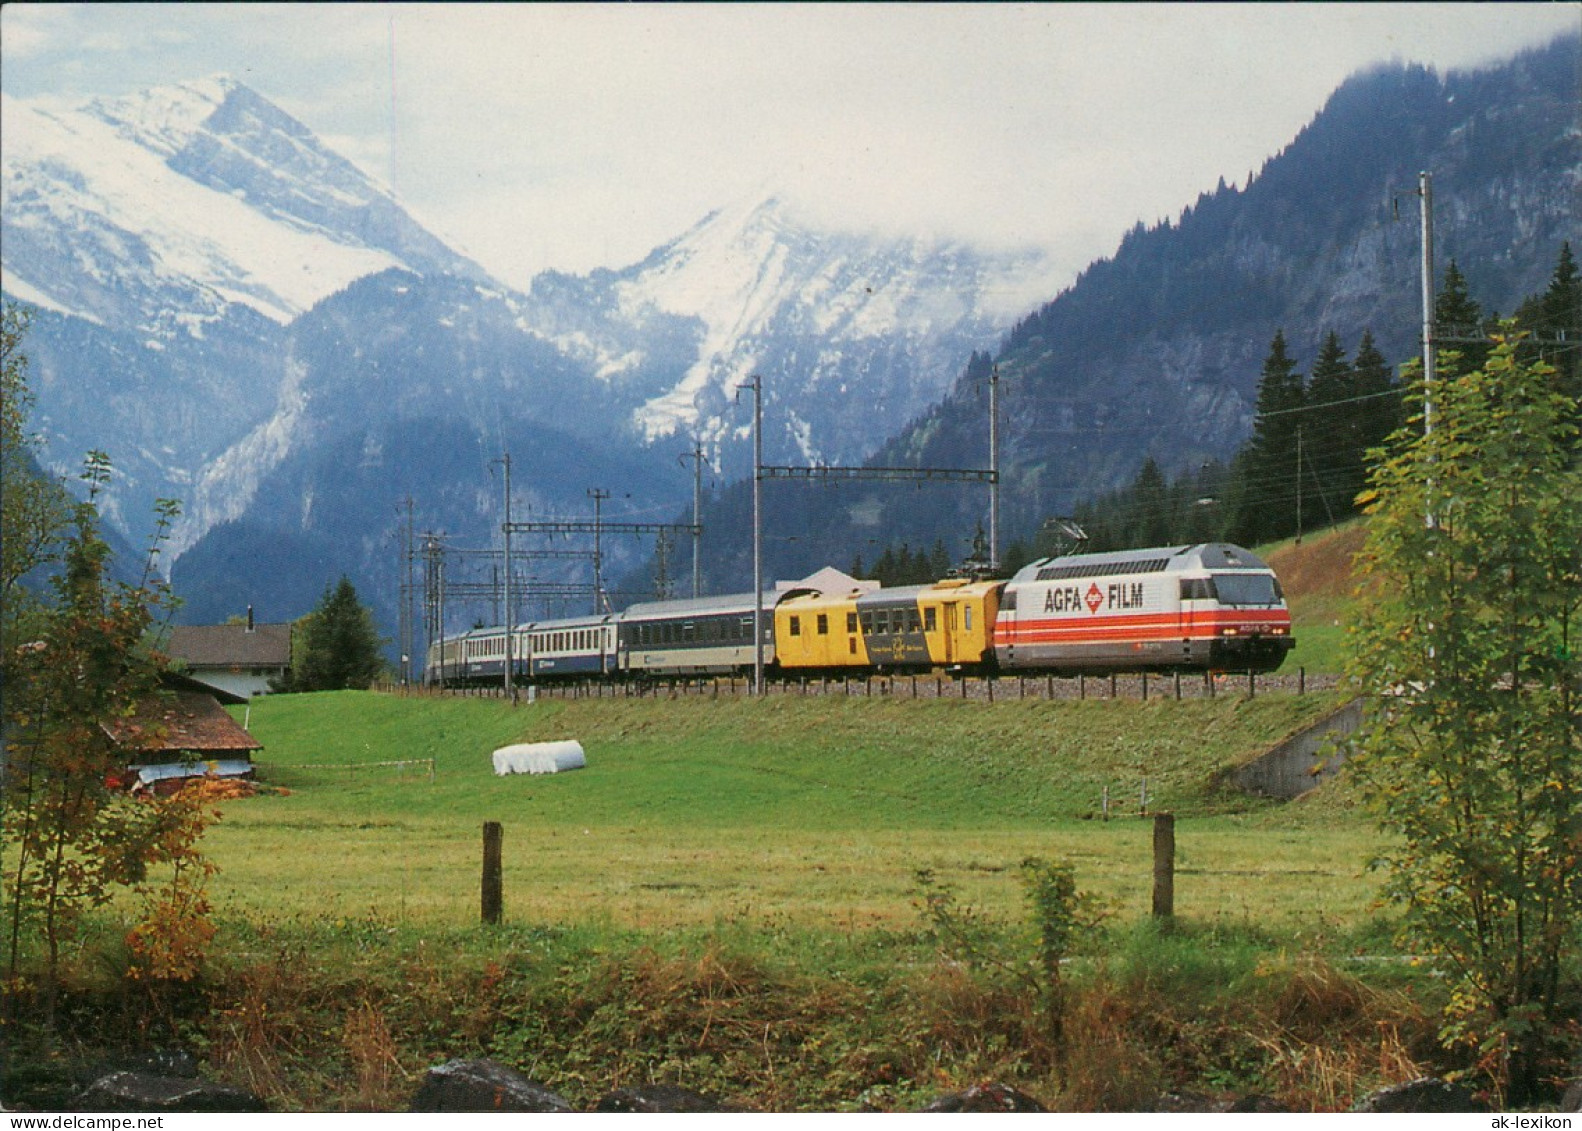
<point x="1131" y="686"/>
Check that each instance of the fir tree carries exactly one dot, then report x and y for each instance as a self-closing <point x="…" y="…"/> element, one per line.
<point x="1556" y="317"/>
<point x="1149" y="511"/>
<point x="1374" y="412"/>
<point x="1562" y="302"/>
<point x="938" y="560"/>
<point x="335" y="647"/>
<point x="1326" y="451"/>
<point x="1266" y="467"/>
<point x="1458" y="315"/>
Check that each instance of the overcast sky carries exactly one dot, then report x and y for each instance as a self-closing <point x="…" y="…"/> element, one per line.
<point x="574" y="137"/>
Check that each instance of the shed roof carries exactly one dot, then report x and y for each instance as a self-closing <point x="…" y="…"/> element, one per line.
<point x="179" y="721"/>
<point x="231" y="645"/>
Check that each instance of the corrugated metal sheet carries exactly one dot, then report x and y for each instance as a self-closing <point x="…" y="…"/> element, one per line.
<point x="224" y="768"/>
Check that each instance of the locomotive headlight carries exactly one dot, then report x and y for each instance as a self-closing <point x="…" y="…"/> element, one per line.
<point x="1229" y="631"/>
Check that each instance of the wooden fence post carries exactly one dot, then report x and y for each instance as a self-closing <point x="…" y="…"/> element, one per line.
<point x="493" y="887"/>
<point x="1164" y="865"/>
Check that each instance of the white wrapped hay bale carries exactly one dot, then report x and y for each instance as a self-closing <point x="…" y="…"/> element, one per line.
<point x="539" y="757"/>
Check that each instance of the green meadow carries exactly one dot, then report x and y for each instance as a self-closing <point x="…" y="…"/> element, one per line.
<point x="815" y="811"/>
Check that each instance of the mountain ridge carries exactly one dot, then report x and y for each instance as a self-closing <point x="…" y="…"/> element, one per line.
<point x="1155" y="351"/>
<point x="148" y="313"/>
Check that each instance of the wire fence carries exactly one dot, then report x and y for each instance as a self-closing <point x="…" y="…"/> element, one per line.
<point x="427" y="764"/>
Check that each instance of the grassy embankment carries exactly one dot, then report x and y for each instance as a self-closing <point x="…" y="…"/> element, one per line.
<point x="1316" y="576"/>
<point x="815" y="811"/>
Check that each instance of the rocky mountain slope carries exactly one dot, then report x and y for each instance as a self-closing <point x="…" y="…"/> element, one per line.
<point x="1156" y="350"/>
<point x="239" y="316"/>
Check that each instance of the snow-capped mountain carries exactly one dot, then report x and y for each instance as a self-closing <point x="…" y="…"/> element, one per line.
<point x="853" y="334"/>
<point x="162" y="209"/>
<point x="234" y="311"/>
<point x="165" y="240"/>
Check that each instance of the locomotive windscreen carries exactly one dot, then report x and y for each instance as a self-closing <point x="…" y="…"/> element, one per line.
<point x="1246" y="589"/>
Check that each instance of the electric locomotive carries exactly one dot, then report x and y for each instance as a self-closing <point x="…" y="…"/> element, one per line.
<point x="1211" y="606"/>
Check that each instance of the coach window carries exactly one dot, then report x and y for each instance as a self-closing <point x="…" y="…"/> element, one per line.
<point x="823" y="624"/>
<point x="966" y="618"/>
<point x="796" y="626"/>
<point x="930" y="620"/>
<point x="851" y="622"/>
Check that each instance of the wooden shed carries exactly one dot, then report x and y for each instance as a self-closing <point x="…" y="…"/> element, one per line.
<point x="182" y="731"/>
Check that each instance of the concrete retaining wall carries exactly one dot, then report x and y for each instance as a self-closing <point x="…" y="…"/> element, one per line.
<point x="1295" y="766"/>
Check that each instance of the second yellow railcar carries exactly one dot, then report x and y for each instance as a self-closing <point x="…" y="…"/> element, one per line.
<point x="948" y="624"/>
